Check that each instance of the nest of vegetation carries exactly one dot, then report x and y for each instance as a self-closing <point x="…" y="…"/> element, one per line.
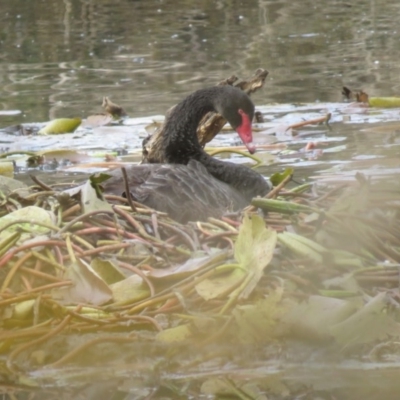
<point x="313" y="262"/>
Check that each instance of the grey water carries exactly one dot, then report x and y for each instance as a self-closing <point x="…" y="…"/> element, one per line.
<point x="58" y="58"/>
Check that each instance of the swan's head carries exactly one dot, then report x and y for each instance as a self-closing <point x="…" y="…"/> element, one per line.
<point x="236" y="106"/>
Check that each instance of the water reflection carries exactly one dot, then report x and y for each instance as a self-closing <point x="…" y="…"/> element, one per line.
<point x="60" y="58"/>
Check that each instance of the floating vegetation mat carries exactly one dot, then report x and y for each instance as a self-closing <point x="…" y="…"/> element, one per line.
<point x="88" y="281"/>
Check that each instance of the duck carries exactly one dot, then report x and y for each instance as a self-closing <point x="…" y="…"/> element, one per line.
<point x="189" y="184"/>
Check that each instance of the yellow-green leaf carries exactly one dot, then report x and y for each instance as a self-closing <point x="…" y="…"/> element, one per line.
<point x="60" y="125"/>
<point x="384" y="102"/>
<point x="35" y="215"/>
<point x="23" y="309"/>
<point x="129" y="290"/>
<point x="223" y="284"/>
<point x="174" y="335"/>
<point x="254" y="249"/>
<point x="7" y="169"/>
<point x="107" y="270"/>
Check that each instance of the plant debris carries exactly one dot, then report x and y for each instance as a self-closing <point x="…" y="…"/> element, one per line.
<point x="363" y="97"/>
<point x="320" y="265"/>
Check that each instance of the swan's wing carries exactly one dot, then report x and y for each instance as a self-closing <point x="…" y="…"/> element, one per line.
<point x="185" y="192"/>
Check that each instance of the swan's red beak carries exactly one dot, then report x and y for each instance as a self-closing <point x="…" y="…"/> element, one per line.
<point x="245" y="132"/>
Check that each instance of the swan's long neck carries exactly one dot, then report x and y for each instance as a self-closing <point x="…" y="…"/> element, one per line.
<point x="180" y="141"/>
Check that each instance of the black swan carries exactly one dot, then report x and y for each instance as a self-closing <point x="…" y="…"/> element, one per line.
<point x="193" y="185"/>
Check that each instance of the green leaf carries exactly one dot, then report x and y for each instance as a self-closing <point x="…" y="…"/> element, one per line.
<point x="254" y="249"/>
<point x="302" y="246"/>
<point x="99" y="178"/>
<point x="60" y="125"/>
<point x="278" y="177"/>
<point x="281" y="206"/>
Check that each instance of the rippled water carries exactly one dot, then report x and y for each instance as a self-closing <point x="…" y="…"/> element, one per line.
<point x="59" y="58"/>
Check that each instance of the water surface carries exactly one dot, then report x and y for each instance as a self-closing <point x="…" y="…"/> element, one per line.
<point x="59" y="58"/>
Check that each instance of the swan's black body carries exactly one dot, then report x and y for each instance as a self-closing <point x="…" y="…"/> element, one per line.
<point x="193" y="185"/>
